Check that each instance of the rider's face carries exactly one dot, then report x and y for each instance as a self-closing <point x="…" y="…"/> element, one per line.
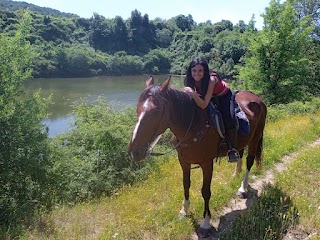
<point x="197" y="72"/>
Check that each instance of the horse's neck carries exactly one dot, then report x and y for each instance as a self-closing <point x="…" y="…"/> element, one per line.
<point x="183" y="116"/>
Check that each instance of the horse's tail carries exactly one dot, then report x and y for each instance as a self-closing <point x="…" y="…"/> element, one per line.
<point x="258" y="156"/>
<point x="259" y="151"/>
<point x="260" y="147"/>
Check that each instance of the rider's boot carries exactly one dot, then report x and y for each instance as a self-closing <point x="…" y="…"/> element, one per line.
<point x="233" y="154"/>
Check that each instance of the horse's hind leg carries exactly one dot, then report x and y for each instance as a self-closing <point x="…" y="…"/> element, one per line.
<point x="186" y="186"/>
<point x="250" y="160"/>
<point x="254" y="152"/>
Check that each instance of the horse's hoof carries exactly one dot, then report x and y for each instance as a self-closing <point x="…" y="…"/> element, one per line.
<point x="182" y="216"/>
<point x="204" y="232"/>
<point x="242" y="195"/>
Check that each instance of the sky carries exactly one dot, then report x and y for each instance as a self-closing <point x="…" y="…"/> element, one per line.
<point x="201" y="11"/>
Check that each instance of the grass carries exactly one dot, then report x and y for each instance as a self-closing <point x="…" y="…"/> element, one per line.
<point x="269" y="217"/>
<point x="290" y="207"/>
<point x="287" y="135"/>
<point x="149" y="210"/>
<point x="302" y="183"/>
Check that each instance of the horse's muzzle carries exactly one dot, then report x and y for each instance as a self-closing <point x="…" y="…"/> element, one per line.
<point x="137" y="154"/>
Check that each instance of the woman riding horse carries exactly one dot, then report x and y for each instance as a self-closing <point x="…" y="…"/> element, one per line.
<point x="161" y="107"/>
<point x="202" y="86"/>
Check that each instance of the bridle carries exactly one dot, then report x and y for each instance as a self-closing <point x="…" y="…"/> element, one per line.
<point x="149" y="150"/>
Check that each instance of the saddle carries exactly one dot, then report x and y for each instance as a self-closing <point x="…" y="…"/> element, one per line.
<point x="216" y="120"/>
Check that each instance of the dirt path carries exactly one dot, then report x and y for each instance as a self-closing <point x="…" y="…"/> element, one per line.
<point x="236" y="205"/>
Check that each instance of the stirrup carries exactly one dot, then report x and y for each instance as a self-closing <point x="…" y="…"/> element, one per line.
<point x="233" y="155"/>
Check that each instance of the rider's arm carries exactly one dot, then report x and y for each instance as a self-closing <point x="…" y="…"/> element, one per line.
<point x="203" y="103"/>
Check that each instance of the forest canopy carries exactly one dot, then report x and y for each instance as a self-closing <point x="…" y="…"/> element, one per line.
<point x="282" y="57"/>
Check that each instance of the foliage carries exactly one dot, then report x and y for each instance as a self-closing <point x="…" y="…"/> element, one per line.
<point x="141" y="34"/>
<point x="14" y="6"/>
<point x="282" y="58"/>
<point x="93" y="160"/>
<point x="309" y="8"/>
<point x="178" y="38"/>
<point x="278" y="111"/>
<point x="229" y="50"/>
<point x="24" y="150"/>
<point x="277" y="65"/>
<point x="156" y="62"/>
<point x="150" y="209"/>
<point x="185" y="23"/>
<point x="122" y="64"/>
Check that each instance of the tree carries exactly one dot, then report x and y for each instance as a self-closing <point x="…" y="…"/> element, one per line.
<point x="101" y="35"/>
<point x="309" y="8"/>
<point x="164" y="37"/>
<point x="156" y="61"/>
<point x="277" y="64"/>
<point x="185" y="23"/>
<point x="141" y="34"/>
<point x="120" y="35"/>
<point x="24" y="149"/>
<point x="242" y="26"/>
<point x="229" y="45"/>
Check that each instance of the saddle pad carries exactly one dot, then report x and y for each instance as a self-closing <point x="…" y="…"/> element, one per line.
<point x="243" y="122"/>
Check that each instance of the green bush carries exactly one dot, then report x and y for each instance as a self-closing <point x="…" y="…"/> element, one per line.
<point x="24" y="150"/>
<point x="281" y="110"/>
<point x="93" y="159"/>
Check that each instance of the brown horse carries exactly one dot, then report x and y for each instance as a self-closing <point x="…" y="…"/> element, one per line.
<point x="161" y="107"/>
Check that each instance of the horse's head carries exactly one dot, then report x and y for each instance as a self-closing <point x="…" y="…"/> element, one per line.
<point x="151" y="119"/>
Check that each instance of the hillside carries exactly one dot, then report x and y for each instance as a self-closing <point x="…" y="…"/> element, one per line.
<point x="15" y="5"/>
<point x="83" y="47"/>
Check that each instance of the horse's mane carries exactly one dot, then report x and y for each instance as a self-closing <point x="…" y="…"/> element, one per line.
<point x="185" y="108"/>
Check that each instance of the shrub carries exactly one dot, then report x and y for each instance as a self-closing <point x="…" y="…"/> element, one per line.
<point x="24" y="149"/>
<point x="93" y="159"/>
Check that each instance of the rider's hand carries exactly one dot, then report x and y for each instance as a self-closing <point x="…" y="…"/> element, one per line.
<point x="190" y="91"/>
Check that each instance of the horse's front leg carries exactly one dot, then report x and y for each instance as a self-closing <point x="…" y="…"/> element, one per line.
<point x="186" y="186"/>
<point x="205" y="226"/>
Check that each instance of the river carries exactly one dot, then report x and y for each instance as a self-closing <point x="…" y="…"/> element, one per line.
<point x="119" y="92"/>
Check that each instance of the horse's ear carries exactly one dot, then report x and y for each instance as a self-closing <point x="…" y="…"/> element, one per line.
<point x="165" y="85"/>
<point x="150" y="81"/>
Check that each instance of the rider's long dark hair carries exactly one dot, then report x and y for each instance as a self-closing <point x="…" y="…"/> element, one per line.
<point x="189" y="80"/>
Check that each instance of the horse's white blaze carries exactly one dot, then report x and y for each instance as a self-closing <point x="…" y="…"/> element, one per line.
<point x="135" y="131"/>
<point x="245" y="183"/>
<point x="205" y="223"/>
<point x="185" y="207"/>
